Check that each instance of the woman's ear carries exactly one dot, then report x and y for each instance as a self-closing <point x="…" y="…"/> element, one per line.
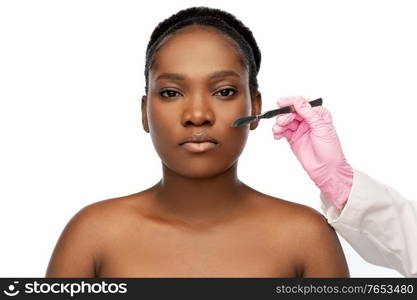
<point x="256" y="109"/>
<point x="144" y="114"/>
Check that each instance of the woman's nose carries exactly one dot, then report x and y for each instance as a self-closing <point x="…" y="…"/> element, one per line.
<point x="198" y="113"/>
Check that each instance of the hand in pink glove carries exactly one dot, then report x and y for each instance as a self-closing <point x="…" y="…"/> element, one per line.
<point x="314" y="141"/>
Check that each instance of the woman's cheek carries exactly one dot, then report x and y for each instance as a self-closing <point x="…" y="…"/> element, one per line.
<point x="160" y="128"/>
<point x="162" y="118"/>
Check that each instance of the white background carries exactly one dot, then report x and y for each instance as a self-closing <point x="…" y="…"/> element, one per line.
<point x="71" y="79"/>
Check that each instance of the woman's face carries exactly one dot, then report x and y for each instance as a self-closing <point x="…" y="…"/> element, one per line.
<point x="198" y="85"/>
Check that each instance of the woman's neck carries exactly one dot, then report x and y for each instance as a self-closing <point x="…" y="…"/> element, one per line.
<point x="200" y="200"/>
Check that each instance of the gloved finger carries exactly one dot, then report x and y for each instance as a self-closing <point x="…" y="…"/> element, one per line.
<point x="319" y="109"/>
<point x="302" y="129"/>
<point x="277" y="136"/>
<point x="293" y="125"/>
<point x="287" y="101"/>
<point x="325" y="115"/>
<point x="302" y="107"/>
<point x="298" y="117"/>
<point x="325" y="129"/>
<point x="287" y="134"/>
<point x="276" y="129"/>
<point x="284" y="119"/>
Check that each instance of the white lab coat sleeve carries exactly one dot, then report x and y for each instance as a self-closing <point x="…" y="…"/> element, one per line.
<point x="379" y="223"/>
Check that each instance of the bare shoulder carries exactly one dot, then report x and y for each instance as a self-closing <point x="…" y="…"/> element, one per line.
<point x="79" y="248"/>
<point x="290" y="214"/>
<point x="111" y="216"/>
<point x="312" y="242"/>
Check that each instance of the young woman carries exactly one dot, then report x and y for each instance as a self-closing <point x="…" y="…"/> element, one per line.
<point x="199" y="220"/>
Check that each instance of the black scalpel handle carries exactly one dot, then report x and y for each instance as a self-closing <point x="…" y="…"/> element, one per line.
<point x="288" y="109"/>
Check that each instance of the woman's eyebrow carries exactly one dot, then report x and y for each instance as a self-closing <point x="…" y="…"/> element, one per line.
<point x="225" y="73"/>
<point x="182" y="77"/>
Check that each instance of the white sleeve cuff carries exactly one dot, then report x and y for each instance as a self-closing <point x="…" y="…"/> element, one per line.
<point x="378" y="223"/>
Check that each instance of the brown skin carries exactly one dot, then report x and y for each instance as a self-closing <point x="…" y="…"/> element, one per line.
<point x="200" y="220"/>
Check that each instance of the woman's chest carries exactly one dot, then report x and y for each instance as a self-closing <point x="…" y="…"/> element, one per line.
<point x="164" y="252"/>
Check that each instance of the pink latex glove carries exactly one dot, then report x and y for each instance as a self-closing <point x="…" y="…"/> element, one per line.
<point x="314" y="141"/>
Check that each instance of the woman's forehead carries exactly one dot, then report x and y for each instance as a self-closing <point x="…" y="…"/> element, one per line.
<point x="199" y="53"/>
<point x="212" y="76"/>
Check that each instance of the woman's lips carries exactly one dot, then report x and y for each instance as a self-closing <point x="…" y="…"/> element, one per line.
<point x="199" y="146"/>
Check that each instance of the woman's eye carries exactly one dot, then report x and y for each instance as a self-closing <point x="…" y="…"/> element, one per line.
<point x="169" y="93"/>
<point x="226" y="92"/>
